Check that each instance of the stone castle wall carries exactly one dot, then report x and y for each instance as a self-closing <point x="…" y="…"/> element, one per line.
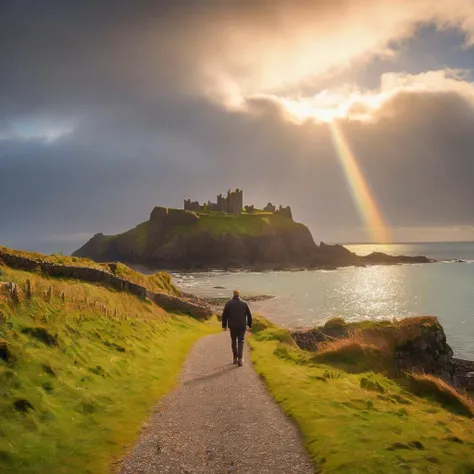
<point x="233" y="203"/>
<point x="197" y="309"/>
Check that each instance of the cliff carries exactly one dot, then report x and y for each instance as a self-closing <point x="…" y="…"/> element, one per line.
<point x="413" y="345"/>
<point x="179" y="239"/>
<point x="175" y="239"/>
<point x="379" y="399"/>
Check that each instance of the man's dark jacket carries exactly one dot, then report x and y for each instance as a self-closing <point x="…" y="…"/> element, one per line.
<point x="236" y="314"/>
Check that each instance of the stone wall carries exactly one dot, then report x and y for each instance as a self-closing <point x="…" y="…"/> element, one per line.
<point x="285" y="212"/>
<point x="196" y="309"/>
<point x="232" y="204"/>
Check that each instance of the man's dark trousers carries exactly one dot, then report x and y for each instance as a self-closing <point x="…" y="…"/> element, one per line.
<point x="237" y="335"/>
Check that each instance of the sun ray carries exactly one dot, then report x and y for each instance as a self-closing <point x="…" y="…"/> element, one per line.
<point x="361" y="194"/>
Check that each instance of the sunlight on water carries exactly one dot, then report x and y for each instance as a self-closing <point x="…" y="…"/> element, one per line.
<point x="308" y="298"/>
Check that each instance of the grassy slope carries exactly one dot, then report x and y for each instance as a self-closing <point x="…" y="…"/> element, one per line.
<point x="157" y="282"/>
<point x="244" y="224"/>
<point x="136" y="241"/>
<point x="92" y="389"/>
<point x="348" y="428"/>
<point x="217" y="223"/>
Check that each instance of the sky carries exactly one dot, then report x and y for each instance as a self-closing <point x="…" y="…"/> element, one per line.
<point x="357" y="113"/>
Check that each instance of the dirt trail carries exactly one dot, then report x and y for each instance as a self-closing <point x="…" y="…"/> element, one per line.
<point x="219" y="420"/>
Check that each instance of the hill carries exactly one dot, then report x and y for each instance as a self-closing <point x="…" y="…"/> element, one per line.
<point x="182" y="239"/>
<point x="357" y="408"/>
<point x="81" y="362"/>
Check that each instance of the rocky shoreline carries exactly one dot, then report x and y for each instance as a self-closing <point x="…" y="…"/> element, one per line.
<point x="151" y="267"/>
<point x="420" y="348"/>
<point x="180" y="240"/>
<point x="219" y="302"/>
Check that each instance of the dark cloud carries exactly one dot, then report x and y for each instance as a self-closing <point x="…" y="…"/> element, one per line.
<point x="145" y="130"/>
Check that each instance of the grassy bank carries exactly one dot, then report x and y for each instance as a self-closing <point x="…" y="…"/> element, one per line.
<point x="80" y="369"/>
<point x="363" y="422"/>
<point x="158" y="282"/>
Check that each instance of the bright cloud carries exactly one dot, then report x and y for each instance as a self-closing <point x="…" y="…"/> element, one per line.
<point x="289" y="46"/>
<point x="352" y="103"/>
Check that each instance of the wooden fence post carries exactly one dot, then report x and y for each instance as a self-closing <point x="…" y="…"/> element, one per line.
<point x="29" y="292"/>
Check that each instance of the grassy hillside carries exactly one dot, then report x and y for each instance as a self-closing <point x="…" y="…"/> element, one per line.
<point x="253" y="224"/>
<point x="158" y="282"/>
<point x="80" y="370"/>
<point x="179" y="239"/>
<point x="215" y="223"/>
<point x="357" y="421"/>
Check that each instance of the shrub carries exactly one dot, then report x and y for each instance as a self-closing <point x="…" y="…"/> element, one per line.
<point x="260" y="324"/>
<point x="351" y="353"/>
<point x="334" y="323"/>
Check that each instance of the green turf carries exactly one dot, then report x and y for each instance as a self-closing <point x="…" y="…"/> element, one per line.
<point x="79" y="382"/>
<point x="158" y="282"/>
<point x="361" y="422"/>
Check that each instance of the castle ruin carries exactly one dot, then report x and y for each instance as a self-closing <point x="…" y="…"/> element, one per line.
<point x="233" y="203"/>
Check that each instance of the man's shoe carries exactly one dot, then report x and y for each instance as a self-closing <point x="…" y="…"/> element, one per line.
<point x="235" y="360"/>
<point x="240" y="363"/>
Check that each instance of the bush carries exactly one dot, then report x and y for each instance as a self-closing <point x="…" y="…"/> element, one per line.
<point x="352" y="355"/>
<point x="334" y="323"/>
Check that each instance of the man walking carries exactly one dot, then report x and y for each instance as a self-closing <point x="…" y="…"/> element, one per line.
<point x="237" y="316"/>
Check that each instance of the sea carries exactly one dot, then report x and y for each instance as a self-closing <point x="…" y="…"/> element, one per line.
<point x="307" y="298"/>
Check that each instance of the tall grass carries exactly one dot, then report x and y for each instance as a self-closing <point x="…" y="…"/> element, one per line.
<point x="353" y="418"/>
<point x="80" y="371"/>
<point x="158" y="282"/>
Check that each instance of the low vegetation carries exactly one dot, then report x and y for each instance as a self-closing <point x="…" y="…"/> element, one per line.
<point x="158" y="282"/>
<point x="55" y="258"/>
<point x="361" y="421"/>
<point x="80" y="369"/>
<point x="244" y="224"/>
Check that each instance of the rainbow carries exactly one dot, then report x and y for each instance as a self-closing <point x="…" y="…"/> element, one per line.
<point x="361" y="194"/>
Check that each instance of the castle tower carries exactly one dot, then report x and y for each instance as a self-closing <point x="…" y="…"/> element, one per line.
<point x="236" y="201"/>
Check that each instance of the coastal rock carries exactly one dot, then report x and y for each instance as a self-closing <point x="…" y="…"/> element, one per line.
<point x="428" y="353"/>
<point x="309" y="340"/>
<point x="181" y="239"/>
<point x="464" y="373"/>
<point x="187" y="240"/>
<point x="381" y="258"/>
<point x="417" y="344"/>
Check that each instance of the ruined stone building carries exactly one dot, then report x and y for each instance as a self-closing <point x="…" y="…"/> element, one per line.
<point x="282" y="211"/>
<point x="233" y="203"/>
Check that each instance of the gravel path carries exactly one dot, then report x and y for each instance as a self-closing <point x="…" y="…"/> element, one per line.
<point x="219" y="420"/>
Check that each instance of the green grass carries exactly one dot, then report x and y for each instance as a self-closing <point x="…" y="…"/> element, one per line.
<point x="158" y="282"/>
<point x="244" y="224"/>
<point x="362" y="422"/>
<point x="83" y="373"/>
<point x="55" y="258"/>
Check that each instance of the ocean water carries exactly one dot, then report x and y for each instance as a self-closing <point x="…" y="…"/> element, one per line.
<point x="308" y="298"/>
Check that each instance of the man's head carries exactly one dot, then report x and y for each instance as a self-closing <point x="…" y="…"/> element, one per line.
<point x="236" y="293"/>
